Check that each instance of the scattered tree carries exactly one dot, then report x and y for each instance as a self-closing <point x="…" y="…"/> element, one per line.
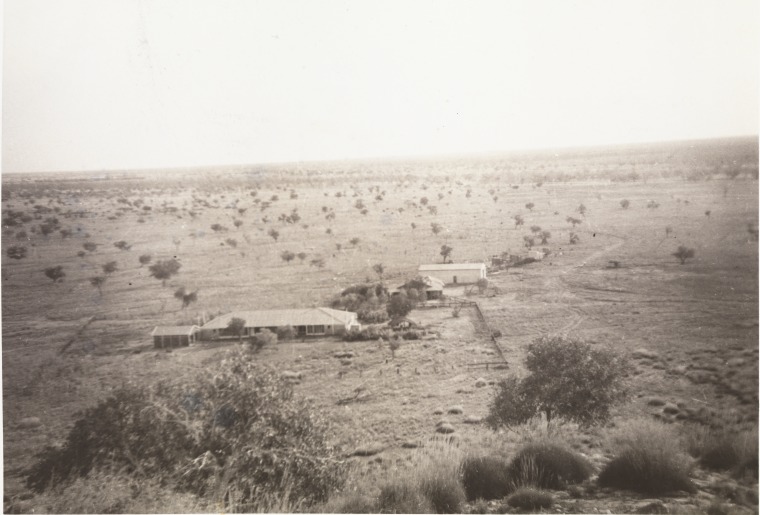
<point x="164" y="269"/>
<point x="122" y="245"/>
<point x="482" y="284"/>
<point x="274" y="234"/>
<point x="232" y="242"/>
<point x="535" y="229"/>
<point x="287" y="256"/>
<point x="98" y="282"/>
<point x="238" y="223"/>
<point x="529" y="206"/>
<point x="379" y="270"/>
<point x="16" y="252"/>
<point x="574" y="238"/>
<point x="90" y="246"/>
<point x="145" y="259"/>
<point x="263" y="338"/>
<point x="568" y="379"/>
<point x="394" y="344"/>
<point x="529" y="241"/>
<point x="55" y="273"/>
<point x="185" y="297"/>
<point x="110" y="267"/>
<point x="354" y="241"/>
<point x="446" y="252"/>
<point x="573" y="221"/>
<point x="436" y="228"/>
<point x="301" y="256"/>
<point x="683" y="253"/>
<point x="518" y="221"/>
<point x="625" y="203"/>
<point x="582" y="210"/>
<point x="545" y="235"/>
<point x="707" y="213"/>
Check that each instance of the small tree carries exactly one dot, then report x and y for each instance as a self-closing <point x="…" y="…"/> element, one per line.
<point x="110" y="267"/>
<point x="567" y="379"/>
<point x="354" y="241"/>
<point x="545" y="235"/>
<point x="122" y="245"/>
<point x="98" y="282"/>
<point x="400" y="305"/>
<point x="394" y="344"/>
<point x="236" y="326"/>
<point x="16" y="252"/>
<point x="285" y="332"/>
<point x="684" y="253"/>
<point x="238" y="223"/>
<point x="301" y="256"/>
<point x="435" y="227"/>
<point x="446" y="252"/>
<point x="145" y="259"/>
<point x="482" y="284"/>
<point x="164" y="269"/>
<point x="574" y="238"/>
<point x="518" y="221"/>
<point x="287" y="256"/>
<point x="274" y="234"/>
<point x="535" y="229"/>
<point x="573" y="221"/>
<point x="529" y="241"/>
<point x="261" y="339"/>
<point x="582" y="210"/>
<point x="55" y="273"/>
<point x="625" y="203"/>
<point x="379" y="269"/>
<point x="529" y="206"/>
<point x="186" y="297"/>
<point x="90" y="246"/>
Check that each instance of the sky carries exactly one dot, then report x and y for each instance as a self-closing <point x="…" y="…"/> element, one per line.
<point x="125" y="84"/>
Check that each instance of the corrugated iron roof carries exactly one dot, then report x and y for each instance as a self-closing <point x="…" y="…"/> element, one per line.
<point x="174" y="330"/>
<point x="452" y="266"/>
<point x="283" y="317"/>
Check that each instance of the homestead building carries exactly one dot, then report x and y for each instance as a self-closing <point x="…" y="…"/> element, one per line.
<point x="305" y="322"/>
<point x="455" y="273"/>
<point x="165" y="337"/>
<point x="433" y="288"/>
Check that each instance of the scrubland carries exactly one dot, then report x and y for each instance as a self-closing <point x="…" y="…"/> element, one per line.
<point x="690" y="330"/>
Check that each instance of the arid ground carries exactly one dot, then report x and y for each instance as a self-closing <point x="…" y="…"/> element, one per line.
<point x="691" y="329"/>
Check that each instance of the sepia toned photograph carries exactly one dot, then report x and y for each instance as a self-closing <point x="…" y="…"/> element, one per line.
<point x="338" y="256"/>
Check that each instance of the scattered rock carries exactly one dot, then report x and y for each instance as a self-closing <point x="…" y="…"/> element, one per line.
<point x="445" y="428"/>
<point x="470" y="419"/>
<point x="438" y="411"/>
<point x="642" y="353"/>
<point x="289" y="375"/>
<point x="480" y="382"/>
<point x="455" y="410"/>
<point x="30" y="423"/>
<point x="650" y="506"/>
<point x="411" y="445"/>
<point x="655" y="401"/>
<point x="346" y="362"/>
<point x="368" y="450"/>
<point x="347" y="354"/>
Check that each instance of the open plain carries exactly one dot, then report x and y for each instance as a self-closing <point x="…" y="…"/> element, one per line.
<point x="609" y="277"/>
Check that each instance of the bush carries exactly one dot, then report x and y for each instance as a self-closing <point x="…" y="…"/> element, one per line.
<point x="236" y="427"/>
<point x="485" y="477"/>
<point x="367" y="333"/>
<point x="353" y="503"/>
<point x="410" y="335"/>
<point x="285" y="332"/>
<point x="648" y="461"/>
<point x="548" y="465"/>
<point x="443" y="491"/>
<point x="401" y="497"/>
<point x="263" y="338"/>
<point x="568" y="379"/>
<point x="722" y="449"/>
<point x="530" y="499"/>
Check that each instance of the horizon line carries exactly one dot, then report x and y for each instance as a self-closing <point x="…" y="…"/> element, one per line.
<point x="409" y="157"/>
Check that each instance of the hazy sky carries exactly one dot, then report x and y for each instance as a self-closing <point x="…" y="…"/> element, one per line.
<point x="104" y="84"/>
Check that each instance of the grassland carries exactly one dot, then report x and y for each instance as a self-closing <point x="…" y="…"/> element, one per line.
<point x="691" y="329"/>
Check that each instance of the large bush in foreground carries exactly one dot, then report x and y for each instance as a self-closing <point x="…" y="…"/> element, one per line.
<point x="549" y="466"/>
<point x="568" y="378"/>
<point x="236" y="436"/>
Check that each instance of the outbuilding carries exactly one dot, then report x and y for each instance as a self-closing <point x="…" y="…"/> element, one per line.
<point x="165" y="337"/>
<point x="455" y="273"/>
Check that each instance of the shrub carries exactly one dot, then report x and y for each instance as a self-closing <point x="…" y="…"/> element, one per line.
<point x="445" y="495"/>
<point x="485" y="477"/>
<point x="400" y="305"/>
<point x="232" y="434"/>
<point x="548" y="465"/>
<point x="263" y="338"/>
<point x="285" y="332"/>
<point x="410" y="335"/>
<point x="648" y="461"/>
<point x="353" y="503"/>
<point x="367" y="333"/>
<point x="402" y="497"/>
<point x="721" y="449"/>
<point x="530" y="499"/>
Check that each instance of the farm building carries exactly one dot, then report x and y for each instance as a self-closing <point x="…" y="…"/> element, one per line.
<point x="305" y="322"/>
<point x="455" y="273"/>
<point x="174" y="336"/>
<point x="433" y="287"/>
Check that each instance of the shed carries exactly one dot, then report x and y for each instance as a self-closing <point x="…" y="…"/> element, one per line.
<point x="174" y="336"/>
<point x="433" y="287"/>
<point x="455" y="273"/>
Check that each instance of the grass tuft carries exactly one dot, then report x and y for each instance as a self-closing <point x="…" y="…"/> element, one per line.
<point x="530" y="499"/>
<point x="485" y="477"/>
<point x="548" y="465"/>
